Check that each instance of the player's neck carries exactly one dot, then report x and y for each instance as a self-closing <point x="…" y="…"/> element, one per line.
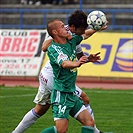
<point x="60" y="40"/>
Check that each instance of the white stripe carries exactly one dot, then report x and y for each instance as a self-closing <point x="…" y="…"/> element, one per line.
<point x="95" y="91"/>
<point x="26" y="95"/>
<point x="16" y="88"/>
<point x="57" y="97"/>
<point x="108" y="91"/>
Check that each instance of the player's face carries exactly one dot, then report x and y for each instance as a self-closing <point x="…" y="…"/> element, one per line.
<point x="79" y="31"/>
<point x="62" y="32"/>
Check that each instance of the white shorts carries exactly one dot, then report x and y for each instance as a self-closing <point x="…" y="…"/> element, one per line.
<point x="82" y="109"/>
<point x="45" y="88"/>
<point x="78" y="91"/>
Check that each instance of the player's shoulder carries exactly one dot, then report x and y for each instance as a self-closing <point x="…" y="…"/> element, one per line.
<point x="74" y="36"/>
<point x="54" y="48"/>
<point x="51" y="47"/>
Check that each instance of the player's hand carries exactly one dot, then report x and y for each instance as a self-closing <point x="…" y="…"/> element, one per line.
<point x="105" y="27"/>
<point x="82" y="60"/>
<point x="94" y="57"/>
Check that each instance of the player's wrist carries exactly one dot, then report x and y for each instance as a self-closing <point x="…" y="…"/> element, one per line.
<point x="88" y="59"/>
<point x="78" y="64"/>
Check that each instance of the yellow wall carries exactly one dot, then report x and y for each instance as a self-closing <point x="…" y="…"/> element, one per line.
<point x="116" y="55"/>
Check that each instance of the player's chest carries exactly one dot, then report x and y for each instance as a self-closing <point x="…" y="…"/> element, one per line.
<point x="70" y="52"/>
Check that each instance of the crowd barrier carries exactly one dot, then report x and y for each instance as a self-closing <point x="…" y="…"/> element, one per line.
<point x="112" y="26"/>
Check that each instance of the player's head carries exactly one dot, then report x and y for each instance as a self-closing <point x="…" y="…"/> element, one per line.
<point x="57" y="28"/>
<point x="77" y="22"/>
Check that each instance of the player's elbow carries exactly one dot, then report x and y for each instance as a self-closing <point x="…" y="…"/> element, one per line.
<point x="64" y="64"/>
<point x="44" y="49"/>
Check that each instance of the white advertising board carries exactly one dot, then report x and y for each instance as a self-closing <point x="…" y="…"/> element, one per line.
<point x="20" y="52"/>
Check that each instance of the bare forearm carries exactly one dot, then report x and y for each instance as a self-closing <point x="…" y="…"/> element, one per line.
<point x="69" y="64"/>
<point x="79" y="55"/>
<point x="46" y="44"/>
<point x="89" y="33"/>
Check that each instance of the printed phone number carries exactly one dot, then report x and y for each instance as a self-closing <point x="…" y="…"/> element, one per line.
<point x="18" y="66"/>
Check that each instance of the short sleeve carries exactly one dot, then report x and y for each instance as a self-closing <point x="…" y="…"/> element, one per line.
<point x="48" y="38"/>
<point x="56" y="55"/>
<point x="77" y="39"/>
<point x="78" y="49"/>
<point x="61" y="57"/>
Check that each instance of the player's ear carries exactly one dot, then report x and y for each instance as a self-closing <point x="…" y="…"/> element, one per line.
<point x="54" y="32"/>
<point x="72" y="28"/>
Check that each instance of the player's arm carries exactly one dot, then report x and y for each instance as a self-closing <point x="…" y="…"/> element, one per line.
<point x="70" y="64"/>
<point x="91" y="58"/>
<point x="46" y="44"/>
<point x="90" y="32"/>
<point x="79" y="55"/>
<point x="85" y="98"/>
<point x="94" y="57"/>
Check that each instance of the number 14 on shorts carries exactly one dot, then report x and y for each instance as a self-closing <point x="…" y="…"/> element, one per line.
<point x="61" y="109"/>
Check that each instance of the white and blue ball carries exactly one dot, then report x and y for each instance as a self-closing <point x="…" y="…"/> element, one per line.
<point x="96" y="20"/>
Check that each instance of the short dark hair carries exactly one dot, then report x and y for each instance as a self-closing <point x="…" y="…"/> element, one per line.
<point x="78" y="19"/>
<point x="51" y="25"/>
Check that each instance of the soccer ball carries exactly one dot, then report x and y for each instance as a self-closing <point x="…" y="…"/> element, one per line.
<point x="96" y="20"/>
